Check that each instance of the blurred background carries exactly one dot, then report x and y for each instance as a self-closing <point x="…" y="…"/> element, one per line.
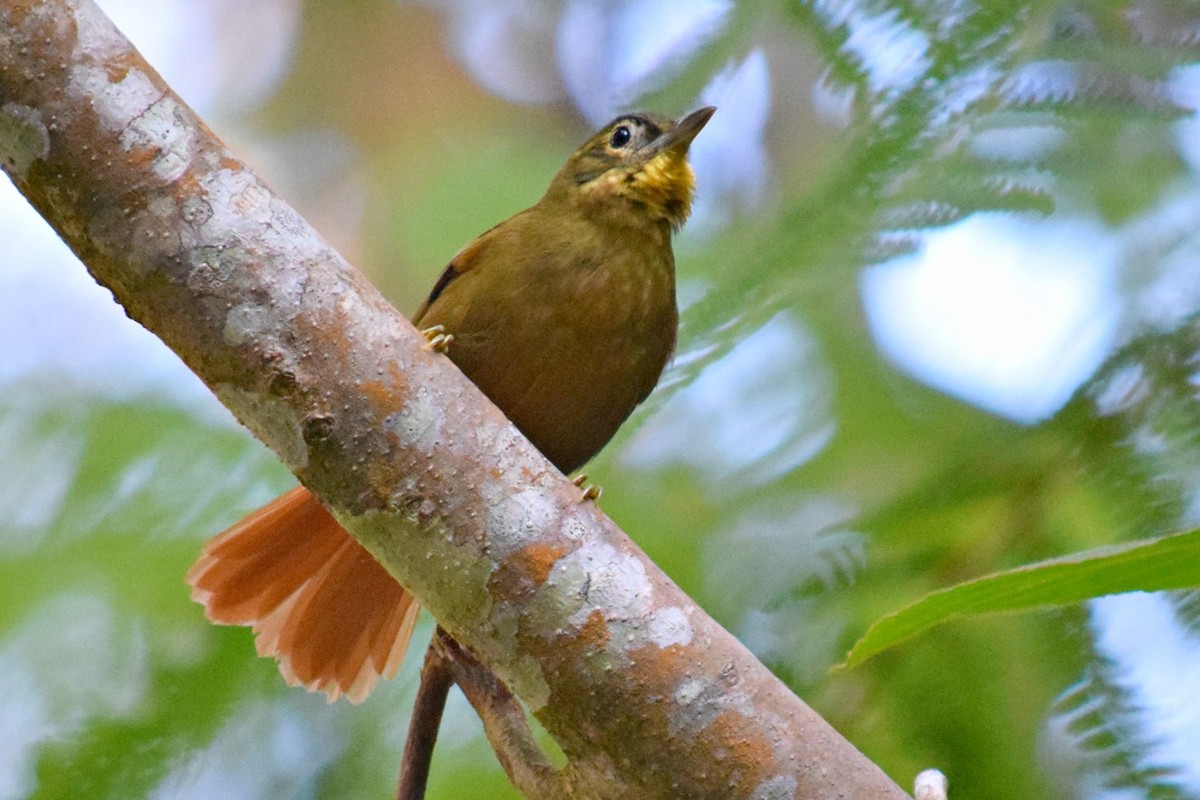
<point x="939" y="302"/>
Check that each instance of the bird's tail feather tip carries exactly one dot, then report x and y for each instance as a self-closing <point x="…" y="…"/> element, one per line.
<point x="318" y="603"/>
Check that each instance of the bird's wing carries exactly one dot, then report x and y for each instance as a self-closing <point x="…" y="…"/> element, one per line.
<point x="464" y="260"/>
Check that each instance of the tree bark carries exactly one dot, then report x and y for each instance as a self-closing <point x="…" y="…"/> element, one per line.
<point x="645" y="694"/>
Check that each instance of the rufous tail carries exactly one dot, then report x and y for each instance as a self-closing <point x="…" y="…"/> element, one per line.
<point x="317" y="601"/>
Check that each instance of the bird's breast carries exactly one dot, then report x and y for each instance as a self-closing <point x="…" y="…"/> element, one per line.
<point x="574" y="344"/>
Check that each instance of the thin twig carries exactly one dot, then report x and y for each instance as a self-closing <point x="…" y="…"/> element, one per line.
<point x="436" y="680"/>
<point x="505" y="724"/>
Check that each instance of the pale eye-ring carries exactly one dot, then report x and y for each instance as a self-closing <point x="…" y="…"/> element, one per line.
<point x="620" y="137"/>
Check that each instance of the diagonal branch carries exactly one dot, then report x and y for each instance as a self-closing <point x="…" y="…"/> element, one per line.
<point x="504" y="722"/>
<point x="645" y="694"/>
<point x="437" y="676"/>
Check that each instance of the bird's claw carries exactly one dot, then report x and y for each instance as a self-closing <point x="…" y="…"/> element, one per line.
<point x="591" y="491"/>
<point x="436" y="339"/>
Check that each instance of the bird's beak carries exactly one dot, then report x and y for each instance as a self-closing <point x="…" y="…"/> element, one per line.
<point x="680" y="136"/>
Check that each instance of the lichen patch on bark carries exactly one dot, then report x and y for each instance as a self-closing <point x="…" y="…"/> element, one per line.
<point x="116" y="102"/>
<point x="23" y="138"/>
<point x="419" y="423"/>
<point x="160" y="129"/>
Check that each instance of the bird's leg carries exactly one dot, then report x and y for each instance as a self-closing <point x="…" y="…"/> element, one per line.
<point x="436" y="338"/>
<point x="591" y="491"/>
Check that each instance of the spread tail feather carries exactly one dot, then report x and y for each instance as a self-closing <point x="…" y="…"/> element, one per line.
<point x="317" y="601"/>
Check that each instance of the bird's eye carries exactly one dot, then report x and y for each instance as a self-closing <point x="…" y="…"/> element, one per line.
<point x="621" y="136"/>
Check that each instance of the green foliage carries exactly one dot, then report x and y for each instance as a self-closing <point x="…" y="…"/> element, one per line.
<point x="1098" y="711"/>
<point x="1172" y="562"/>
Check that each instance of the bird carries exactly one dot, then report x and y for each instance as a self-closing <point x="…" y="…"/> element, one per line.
<point x="564" y="315"/>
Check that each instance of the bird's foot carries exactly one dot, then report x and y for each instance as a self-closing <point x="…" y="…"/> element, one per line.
<point x="436" y="339"/>
<point x="591" y="491"/>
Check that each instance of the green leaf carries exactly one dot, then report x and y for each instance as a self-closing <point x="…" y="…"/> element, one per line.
<point x="1172" y="562"/>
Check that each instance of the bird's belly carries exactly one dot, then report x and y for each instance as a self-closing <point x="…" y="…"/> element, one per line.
<point x="568" y="373"/>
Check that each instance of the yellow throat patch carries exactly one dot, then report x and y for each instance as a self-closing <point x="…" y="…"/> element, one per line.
<point x="664" y="184"/>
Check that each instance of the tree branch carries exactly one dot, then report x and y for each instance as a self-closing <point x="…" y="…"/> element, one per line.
<point x="504" y="723"/>
<point x="645" y="694"/>
<point x="436" y="679"/>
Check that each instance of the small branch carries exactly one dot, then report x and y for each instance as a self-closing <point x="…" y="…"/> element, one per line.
<point x="505" y="724"/>
<point x="436" y="680"/>
<point x="646" y="695"/>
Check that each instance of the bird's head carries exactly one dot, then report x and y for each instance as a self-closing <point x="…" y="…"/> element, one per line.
<point x="636" y="164"/>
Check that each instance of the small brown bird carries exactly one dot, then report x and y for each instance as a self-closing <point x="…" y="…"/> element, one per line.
<point x="564" y="315"/>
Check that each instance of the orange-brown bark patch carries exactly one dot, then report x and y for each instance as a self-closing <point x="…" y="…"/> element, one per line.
<point x="723" y="733"/>
<point x="117" y="70"/>
<point x="380" y="394"/>
<point x="538" y="559"/>
<point x="594" y="633"/>
<point x="142" y="156"/>
<point x="399" y="379"/>
<point x="525" y="570"/>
